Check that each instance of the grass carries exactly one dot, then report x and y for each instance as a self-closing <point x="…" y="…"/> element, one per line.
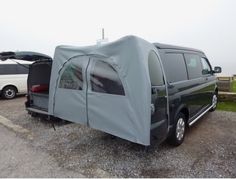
<point x="227" y="106"/>
<point x="234" y="86"/>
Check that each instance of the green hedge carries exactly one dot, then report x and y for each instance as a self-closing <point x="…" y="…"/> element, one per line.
<point x="227" y="106"/>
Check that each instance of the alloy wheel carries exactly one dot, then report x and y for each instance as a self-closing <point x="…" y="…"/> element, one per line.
<point x="180" y="129"/>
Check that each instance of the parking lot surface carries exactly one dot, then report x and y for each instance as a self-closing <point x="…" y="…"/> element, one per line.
<point x="29" y="147"/>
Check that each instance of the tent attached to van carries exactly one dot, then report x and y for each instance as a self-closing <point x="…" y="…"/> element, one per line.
<point x="129" y="88"/>
<point x="104" y="87"/>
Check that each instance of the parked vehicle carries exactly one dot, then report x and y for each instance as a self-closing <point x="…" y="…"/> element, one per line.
<point x="190" y="85"/>
<point x="13" y="78"/>
<point x="129" y="88"/>
<point x="14" y="72"/>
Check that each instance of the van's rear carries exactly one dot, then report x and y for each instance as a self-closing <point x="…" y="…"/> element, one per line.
<point x="38" y="87"/>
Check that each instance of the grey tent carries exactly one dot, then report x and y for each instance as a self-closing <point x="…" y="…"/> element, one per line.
<point x="104" y="87"/>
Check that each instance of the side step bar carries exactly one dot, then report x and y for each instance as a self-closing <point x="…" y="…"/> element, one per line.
<point x="196" y="119"/>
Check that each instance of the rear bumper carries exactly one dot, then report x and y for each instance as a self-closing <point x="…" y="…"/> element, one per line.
<point x="31" y="109"/>
<point x="38" y="111"/>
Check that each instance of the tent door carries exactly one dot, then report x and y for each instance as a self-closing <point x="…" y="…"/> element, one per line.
<point x="70" y="95"/>
<point x="108" y="107"/>
<point x="90" y="91"/>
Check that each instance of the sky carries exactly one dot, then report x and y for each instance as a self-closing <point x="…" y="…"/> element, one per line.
<point x="41" y="25"/>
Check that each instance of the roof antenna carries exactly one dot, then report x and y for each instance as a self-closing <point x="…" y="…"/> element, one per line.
<point x="103" y="40"/>
<point x="103" y="34"/>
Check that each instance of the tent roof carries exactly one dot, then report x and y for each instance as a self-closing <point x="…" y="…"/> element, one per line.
<point x="120" y="46"/>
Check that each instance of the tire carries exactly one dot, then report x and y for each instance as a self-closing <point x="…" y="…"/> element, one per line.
<point x="9" y="92"/>
<point x="214" y="102"/>
<point x="177" y="136"/>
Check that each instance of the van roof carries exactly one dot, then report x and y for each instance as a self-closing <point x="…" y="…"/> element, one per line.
<point x="14" y="61"/>
<point x="166" y="46"/>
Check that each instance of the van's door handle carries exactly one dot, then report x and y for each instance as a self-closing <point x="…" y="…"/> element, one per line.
<point x="206" y="78"/>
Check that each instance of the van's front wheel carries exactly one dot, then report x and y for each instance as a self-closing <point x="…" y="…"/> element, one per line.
<point x="9" y="92"/>
<point x="214" y="102"/>
<point x="177" y="136"/>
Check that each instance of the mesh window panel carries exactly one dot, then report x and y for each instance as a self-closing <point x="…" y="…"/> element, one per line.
<point x="105" y="79"/>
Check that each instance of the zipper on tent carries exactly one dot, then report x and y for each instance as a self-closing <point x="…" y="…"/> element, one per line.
<point x="86" y="96"/>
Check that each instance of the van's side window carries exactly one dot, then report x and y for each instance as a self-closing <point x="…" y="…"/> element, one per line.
<point x="194" y="65"/>
<point x="6" y="69"/>
<point x="72" y="77"/>
<point x="205" y="66"/>
<point x="155" y="71"/>
<point x="175" y="67"/>
<point x="105" y="79"/>
<point x="13" y="69"/>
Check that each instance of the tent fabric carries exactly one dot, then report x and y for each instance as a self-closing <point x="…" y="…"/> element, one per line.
<point x="127" y="116"/>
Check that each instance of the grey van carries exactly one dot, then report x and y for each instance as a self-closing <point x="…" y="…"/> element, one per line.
<point x="130" y="88"/>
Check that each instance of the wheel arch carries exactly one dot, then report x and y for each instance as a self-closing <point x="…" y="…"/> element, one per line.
<point x="216" y="90"/>
<point x="182" y="109"/>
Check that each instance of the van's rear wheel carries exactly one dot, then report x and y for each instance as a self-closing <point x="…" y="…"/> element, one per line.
<point x="9" y="92"/>
<point x="177" y="136"/>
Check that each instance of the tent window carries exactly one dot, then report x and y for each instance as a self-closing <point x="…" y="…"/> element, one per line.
<point x="105" y="79"/>
<point x="155" y="71"/>
<point x="72" y="77"/>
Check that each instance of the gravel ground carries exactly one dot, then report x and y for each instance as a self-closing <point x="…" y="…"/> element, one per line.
<point x="18" y="159"/>
<point x="209" y="149"/>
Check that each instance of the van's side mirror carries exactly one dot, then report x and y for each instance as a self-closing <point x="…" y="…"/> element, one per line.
<point x="217" y="70"/>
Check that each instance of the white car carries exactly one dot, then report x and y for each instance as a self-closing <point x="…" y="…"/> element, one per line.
<point x="13" y="77"/>
<point x="14" y="68"/>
